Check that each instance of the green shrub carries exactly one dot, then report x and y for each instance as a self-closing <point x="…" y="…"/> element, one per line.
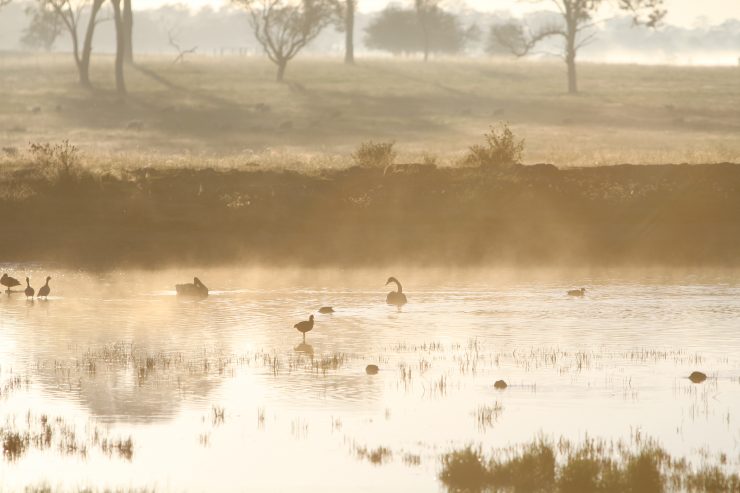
<point x="501" y="149"/>
<point x="375" y="154"/>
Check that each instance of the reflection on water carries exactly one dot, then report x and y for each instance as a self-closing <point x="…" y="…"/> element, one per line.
<point x="222" y="394"/>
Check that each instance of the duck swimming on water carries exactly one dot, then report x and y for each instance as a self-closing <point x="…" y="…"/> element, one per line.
<point x="395" y="297"/>
<point x="29" y="291"/>
<point x="195" y="290"/>
<point x="9" y="282"/>
<point x="304" y="327"/>
<point x="577" y="292"/>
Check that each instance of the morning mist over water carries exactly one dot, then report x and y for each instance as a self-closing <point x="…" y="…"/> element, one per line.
<point x="343" y="245"/>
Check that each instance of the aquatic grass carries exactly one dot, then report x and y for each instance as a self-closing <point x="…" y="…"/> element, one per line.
<point x="42" y="432"/>
<point x="487" y="415"/>
<point x="376" y="456"/>
<point x="641" y="466"/>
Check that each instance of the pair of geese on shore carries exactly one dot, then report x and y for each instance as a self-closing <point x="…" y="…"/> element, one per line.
<point x="11" y="282"/>
<point x="197" y="289"/>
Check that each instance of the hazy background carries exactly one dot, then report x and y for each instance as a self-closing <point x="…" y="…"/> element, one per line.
<point x="693" y="33"/>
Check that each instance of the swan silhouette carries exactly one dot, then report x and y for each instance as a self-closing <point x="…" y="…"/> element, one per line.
<point x="304" y="327"/>
<point x="29" y="291"/>
<point x="196" y="289"/>
<point x="395" y="297"/>
<point x="577" y="292"/>
<point x="45" y="289"/>
<point x="9" y="282"/>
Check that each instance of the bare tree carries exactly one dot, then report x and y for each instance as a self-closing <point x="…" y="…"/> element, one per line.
<point x="577" y="29"/>
<point x="4" y="3"/>
<point x="120" y="46"/>
<point x="284" y="27"/>
<point x="172" y="37"/>
<point x="69" y="12"/>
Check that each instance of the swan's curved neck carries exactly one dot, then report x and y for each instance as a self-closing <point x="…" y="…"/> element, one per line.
<point x="400" y="288"/>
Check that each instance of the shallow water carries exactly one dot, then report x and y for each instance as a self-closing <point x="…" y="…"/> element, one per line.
<point x="611" y="365"/>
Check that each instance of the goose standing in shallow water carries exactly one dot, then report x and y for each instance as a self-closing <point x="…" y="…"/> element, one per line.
<point x="195" y="290"/>
<point x="395" y="297"/>
<point x="45" y="289"/>
<point x="304" y="327"/>
<point x="577" y="292"/>
<point x="29" y="290"/>
<point x="9" y="282"/>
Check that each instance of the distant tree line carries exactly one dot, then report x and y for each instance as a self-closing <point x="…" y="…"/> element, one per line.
<point x="283" y="28"/>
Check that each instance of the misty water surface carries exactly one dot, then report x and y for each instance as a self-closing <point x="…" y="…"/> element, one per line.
<point x="611" y="365"/>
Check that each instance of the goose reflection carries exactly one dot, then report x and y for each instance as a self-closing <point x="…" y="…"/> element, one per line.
<point x="304" y="348"/>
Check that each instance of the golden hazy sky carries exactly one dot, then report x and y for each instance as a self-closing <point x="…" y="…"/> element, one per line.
<point x="681" y="12"/>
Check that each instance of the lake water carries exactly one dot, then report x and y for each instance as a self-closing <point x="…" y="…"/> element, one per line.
<point x="221" y="394"/>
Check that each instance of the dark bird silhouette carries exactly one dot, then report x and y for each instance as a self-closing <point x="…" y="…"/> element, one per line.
<point x="304" y="327"/>
<point x="45" y="289"/>
<point x="9" y="282"/>
<point x="326" y="309"/>
<point x="195" y="290"/>
<point x="577" y="292"/>
<point x="29" y="290"/>
<point x="395" y="297"/>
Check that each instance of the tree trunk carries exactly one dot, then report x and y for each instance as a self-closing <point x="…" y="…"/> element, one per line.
<point x="572" y="15"/>
<point x="128" y="32"/>
<point x="421" y="15"/>
<point x="120" y="42"/>
<point x="570" y="60"/>
<point x="349" y="33"/>
<point x="281" y="70"/>
<point x="83" y="66"/>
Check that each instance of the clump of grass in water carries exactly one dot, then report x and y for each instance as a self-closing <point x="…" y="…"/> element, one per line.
<point x="593" y="466"/>
<point x="486" y="416"/>
<point x="376" y="456"/>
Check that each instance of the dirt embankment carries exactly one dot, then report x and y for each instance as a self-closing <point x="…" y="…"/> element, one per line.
<point x="529" y="215"/>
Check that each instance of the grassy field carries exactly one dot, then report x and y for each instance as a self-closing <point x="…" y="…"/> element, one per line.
<point x="229" y="111"/>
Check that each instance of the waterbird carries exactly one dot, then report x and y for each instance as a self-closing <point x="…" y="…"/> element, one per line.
<point x="395" y="297"/>
<point x="326" y="309"/>
<point x="577" y="292"/>
<point x="195" y="290"/>
<point x="9" y="282"/>
<point x="45" y="289"/>
<point x="304" y="327"/>
<point x="29" y="290"/>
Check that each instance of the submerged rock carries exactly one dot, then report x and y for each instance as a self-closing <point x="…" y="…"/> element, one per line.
<point x="500" y="385"/>
<point x="697" y="377"/>
<point x="372" y="369"/>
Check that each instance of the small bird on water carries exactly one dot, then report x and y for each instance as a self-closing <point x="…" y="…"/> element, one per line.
<point x="326" y="309"/>
<point x="577" y="292"/>
<point x="9" y="282"/>
<point x="195" y="290"/>
<point x="304" y="327"/>
<point x="45" y="289"/>
<point x="29" y="291"/>
<point x="395" y="297"/>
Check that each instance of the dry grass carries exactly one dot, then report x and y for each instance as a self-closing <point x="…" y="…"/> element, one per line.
<point x="229" y="111"/>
